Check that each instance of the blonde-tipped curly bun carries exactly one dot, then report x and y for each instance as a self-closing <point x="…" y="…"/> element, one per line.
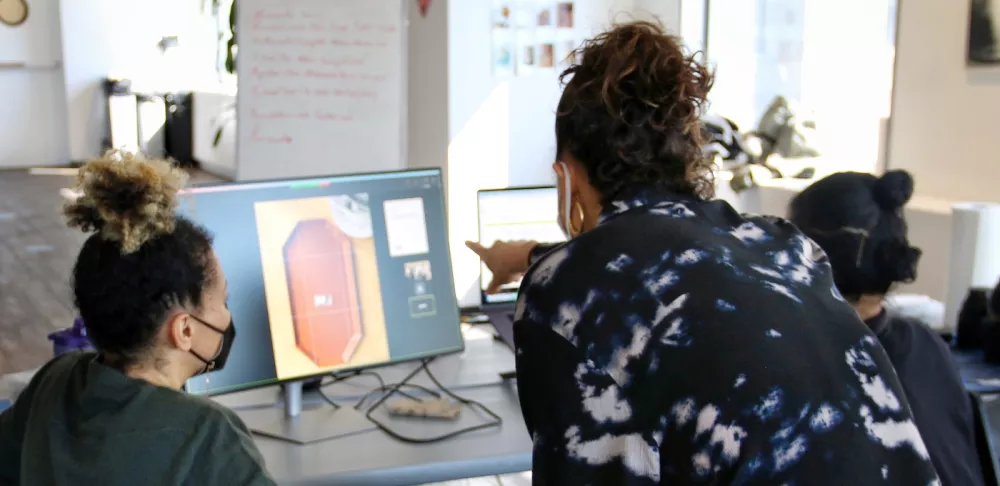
<point x="126" y="198"/>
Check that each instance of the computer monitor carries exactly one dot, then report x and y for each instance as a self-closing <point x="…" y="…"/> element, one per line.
<point x="518" y="213"/>
<point x="329" y="274"/>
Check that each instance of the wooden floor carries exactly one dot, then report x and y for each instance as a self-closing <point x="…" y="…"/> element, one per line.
<point x="37" y="252"/>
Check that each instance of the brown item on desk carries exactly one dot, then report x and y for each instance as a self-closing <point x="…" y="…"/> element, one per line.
<point x="435" y="409"/>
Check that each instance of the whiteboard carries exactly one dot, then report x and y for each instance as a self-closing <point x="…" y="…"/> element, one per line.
<point x="321" y="87"/>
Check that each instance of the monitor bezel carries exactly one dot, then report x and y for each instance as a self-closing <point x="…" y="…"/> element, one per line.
<point x="384" y="364"/>
<point x="483" y="304"/>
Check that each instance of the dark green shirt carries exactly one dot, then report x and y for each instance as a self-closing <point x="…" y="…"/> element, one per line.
<point x="80" y="423"/>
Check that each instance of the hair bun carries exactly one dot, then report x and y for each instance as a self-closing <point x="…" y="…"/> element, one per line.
<point x="897" y="260"/>
<point x="126" y="198"/>
<point x="893" y="190"/>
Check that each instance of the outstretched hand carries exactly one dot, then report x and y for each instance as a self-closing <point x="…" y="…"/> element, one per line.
<point x="507" y="261"/>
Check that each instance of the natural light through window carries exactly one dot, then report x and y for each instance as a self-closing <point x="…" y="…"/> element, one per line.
<point x="833" y="57"/>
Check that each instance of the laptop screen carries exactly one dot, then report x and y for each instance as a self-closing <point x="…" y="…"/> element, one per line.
<point x="525" y="213"/>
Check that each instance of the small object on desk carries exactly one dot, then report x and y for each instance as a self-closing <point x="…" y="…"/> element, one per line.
<point x="508" y="375"/>
<point x="989" y="382"/>
<point x="435" y="409"/>
<point x="476" y="319"/>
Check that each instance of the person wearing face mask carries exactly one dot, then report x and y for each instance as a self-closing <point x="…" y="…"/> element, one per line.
<point x="152" y="296"/>
<point x="672" y="340"/>
<point x="858" y="221"/>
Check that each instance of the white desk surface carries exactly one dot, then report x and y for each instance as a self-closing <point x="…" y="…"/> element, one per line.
<point x="373" y="458"/>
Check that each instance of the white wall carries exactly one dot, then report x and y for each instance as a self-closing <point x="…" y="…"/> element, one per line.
<point x="119" y="38"/>
<point x="33" y="121"/>
<point x="502" y="130"/>
<point x="944" y="115"/>
<point x="428" y="84"/>
<point x="929" y="221"/>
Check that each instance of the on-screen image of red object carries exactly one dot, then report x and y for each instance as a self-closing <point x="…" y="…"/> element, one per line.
<point x="319" y="266"/>
<point x="424" y="5"/>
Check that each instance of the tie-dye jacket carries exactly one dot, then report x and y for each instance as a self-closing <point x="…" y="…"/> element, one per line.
<point x="681" y="343"/>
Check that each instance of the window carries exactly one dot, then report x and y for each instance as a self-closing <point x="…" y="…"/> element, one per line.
<point x="830" y="56"/>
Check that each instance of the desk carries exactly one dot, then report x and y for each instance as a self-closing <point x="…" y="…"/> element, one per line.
<point x="977" y="374"/>
<point x="373" y="458"/>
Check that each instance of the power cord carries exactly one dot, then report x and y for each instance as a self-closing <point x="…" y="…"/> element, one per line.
<point x="344" y="376"/>
<point x="395" y="388"/>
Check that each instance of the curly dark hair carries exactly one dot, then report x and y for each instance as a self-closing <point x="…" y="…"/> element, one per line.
<point x="142" y="261"/>
<point x="630" y="112"/>
<point x="857" y="219"/>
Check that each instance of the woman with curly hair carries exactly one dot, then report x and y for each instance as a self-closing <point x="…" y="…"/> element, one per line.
<point x="672" y="340"/>
<point x="152" y="296"/>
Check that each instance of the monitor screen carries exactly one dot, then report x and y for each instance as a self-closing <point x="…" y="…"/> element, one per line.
<point x="329" y="274"/>
<point x="528" y="213"/>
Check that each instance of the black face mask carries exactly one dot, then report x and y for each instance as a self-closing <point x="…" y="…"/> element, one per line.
<point x="219" y="361"/>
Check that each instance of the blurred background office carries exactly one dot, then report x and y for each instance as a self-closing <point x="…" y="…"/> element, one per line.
<point x="873" y="85"/>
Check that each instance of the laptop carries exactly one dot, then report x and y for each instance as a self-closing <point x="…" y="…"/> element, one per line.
<point x="517" y="213"/>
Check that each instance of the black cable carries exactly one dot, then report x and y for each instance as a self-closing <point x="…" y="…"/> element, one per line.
<point x="339" y="377"/>
<point x="395" y="388"/>
<point x="344" y="376"/>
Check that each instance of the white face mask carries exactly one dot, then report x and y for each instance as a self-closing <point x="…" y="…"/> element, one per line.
<point x="564" y="223"/>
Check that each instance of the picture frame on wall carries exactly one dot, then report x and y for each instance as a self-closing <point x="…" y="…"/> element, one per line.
<point x="531" y="36"/>
<point x="984" y="33"/>
<point x="565" y="15"/>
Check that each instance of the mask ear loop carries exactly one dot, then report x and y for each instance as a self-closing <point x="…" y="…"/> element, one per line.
<point x="863" y="233"/>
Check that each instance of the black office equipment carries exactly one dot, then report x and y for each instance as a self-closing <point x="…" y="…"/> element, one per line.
<point x="984" y="430"/>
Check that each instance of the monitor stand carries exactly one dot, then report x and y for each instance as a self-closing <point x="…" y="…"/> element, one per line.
<point x="293" y="424"/>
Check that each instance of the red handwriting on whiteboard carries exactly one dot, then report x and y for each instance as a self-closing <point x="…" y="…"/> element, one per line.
<point x="360" y="26"/>
<point x="278" y="58"/>
<point x="275" y="139"/>
<point x="333" y="117"/>
<point x="278" y="115"/>
<point x="311" y="15"/>
<point x="279" y="91"/>
<point x="368" y="43"/>
<point x="286" y="91"/>
<point x="273" y="73"/>
<point x="360" y="94"/>
<point x="343" y="61"/>
<point x="291" y="40"/>
<point x="316" y="74"/>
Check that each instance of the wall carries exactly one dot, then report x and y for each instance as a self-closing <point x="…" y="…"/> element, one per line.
<point x="123" y="43"/>
<point x="943" y="125"/>
<point x="501" y="130"/>
<point x="33" y="125"/>
<point x="929" y="221"/>
<point x="428" y="85"/>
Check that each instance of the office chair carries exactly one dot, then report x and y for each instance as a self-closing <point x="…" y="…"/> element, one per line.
<point x="984" y="444"/>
